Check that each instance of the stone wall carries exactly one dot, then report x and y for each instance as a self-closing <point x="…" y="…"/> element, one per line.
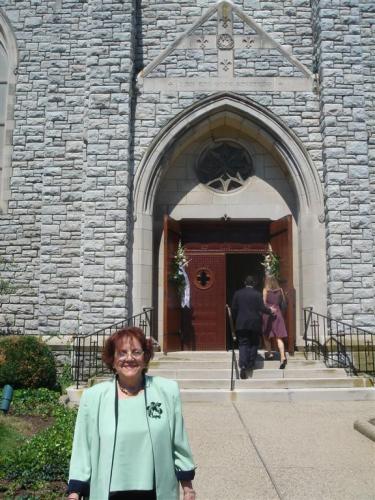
<point x="67" y="224"/>
<point x="288" y="24"/>
<point x="21" y="226"/>
<point x="82" y="127"/>
<point x="61" y="193"/>
<point x="350" y="239"/>
<point x="367" y="12"/>
<point x="108" y="179"/>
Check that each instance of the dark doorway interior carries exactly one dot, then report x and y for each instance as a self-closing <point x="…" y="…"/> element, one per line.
<point x="238" y="267"/>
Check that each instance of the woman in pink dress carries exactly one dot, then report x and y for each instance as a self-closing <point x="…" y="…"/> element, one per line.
<point x="274" y="327"/>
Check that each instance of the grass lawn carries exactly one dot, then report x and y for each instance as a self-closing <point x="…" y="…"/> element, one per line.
<point x="12" y="433"/>
<point x="14" y="430"/>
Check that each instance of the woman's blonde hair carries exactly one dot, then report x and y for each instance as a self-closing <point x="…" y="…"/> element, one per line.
<point x="271" y="283"/>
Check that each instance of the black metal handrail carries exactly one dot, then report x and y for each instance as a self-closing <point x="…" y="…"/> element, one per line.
<point x="234" y="341"/>
<point x="87" y="349"/>
<point x="339" y="344"/>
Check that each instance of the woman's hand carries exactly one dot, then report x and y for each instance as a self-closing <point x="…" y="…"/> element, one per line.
<point x="189" y="493"/>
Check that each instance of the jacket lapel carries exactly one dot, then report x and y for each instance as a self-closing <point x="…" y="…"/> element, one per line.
<point x="160" y="428"/>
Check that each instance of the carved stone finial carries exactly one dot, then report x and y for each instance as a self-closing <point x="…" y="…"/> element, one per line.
<point x="225" y="21"/>
<point x="225" y="42"/>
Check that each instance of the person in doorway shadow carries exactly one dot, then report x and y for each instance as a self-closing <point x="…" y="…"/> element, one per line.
<point x="247" y="310"/>
<point x="274" y="297"/>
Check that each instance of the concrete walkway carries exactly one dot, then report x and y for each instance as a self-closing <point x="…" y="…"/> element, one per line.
<point x="297" y="450"/>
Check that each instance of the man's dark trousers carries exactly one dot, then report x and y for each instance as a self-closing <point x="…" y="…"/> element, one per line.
<point x="248" y="343"/>
<point x="247" y="310"/>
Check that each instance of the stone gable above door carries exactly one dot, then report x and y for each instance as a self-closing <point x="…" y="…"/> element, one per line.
<point x="226" y="50"/>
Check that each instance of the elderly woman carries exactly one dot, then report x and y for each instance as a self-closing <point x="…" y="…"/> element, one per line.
<point x="130" y="441"/>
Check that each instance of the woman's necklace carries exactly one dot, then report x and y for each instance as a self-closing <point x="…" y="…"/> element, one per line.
<point x="133" y="391"/>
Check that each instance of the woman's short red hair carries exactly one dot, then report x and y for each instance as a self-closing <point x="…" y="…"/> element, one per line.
<point x="134" y="332"/>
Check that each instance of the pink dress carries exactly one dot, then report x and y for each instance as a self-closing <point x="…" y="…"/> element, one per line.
<point x="274" y="327"/>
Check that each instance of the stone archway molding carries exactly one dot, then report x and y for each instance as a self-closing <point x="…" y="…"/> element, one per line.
<point x="8" y="39"/>
<point x="309" y="256"/>
<point x="289" y="147"/>
<point x="8" y="42"/>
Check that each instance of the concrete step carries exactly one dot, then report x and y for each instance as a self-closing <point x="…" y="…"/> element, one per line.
<point x="181" y="374"/>
<point x="287" y="391"/>
<point x="281" y="388"/>
<point x="274" y="383"/>
<point x="211" y="355"/>
<point x="166" y="364"/>
<point x="282" y="395"/>
<point x="205" y="376"/>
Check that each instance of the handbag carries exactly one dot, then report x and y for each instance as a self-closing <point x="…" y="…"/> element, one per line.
<point x="283" y="302"/>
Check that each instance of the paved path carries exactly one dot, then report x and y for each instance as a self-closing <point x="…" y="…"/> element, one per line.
<point x="271" y="451"/>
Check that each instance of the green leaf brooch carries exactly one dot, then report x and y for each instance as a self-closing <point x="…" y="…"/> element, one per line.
<point x="154" y="410"/>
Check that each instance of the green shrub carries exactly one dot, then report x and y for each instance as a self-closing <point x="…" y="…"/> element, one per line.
<point x="34" y="402"/>
<point x="25" y="361"/>
<point x="65" y="379"/>
<point x="44" y="457"/>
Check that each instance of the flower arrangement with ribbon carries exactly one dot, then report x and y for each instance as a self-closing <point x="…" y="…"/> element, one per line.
<point x="271" y="263"/>
<point x="179" y="276"/>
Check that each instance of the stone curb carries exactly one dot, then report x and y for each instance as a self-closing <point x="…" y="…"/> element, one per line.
<point x="365" y="428"/>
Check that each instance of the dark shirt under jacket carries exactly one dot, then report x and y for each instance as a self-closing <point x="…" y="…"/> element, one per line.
<point x="247" y="309"/>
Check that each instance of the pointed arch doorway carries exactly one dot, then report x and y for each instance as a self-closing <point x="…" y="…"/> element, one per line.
<point x="220" y="254"/>
<point x="284" y="183"/>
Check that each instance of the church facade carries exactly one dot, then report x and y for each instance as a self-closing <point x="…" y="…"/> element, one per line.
<point x="235" y="129"/>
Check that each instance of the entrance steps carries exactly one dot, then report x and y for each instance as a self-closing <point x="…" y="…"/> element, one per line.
<point x="205" y="376"/>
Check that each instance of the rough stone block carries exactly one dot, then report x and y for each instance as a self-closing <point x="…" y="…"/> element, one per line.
<point x="69" y="327"/>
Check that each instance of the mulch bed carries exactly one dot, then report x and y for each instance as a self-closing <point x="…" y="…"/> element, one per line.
<point x="35" y="424"/>
<point x="56" y="489"/>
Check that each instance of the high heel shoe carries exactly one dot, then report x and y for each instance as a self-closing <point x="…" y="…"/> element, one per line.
<point x="283" y="364"/>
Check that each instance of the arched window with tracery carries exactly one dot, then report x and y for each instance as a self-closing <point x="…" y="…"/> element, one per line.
<point x="224" y="166"/>
<point x="8" y="64"/>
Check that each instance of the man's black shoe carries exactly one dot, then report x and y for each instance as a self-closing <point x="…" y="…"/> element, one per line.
<point x="243" y="373"/>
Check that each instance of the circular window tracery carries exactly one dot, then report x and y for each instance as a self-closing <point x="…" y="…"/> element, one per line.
<point x="224" y="166"/>
<point x="204" y="278"/>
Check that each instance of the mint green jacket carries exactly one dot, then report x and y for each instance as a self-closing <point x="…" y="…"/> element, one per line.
<point x="92" y="459"/>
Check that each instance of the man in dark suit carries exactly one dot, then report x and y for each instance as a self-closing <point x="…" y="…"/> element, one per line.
<point x="247" y="309"/>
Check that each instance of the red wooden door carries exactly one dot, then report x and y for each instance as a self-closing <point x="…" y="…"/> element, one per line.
<point x="206" y="330"/>
<point x="172" y="340"/>
<point x="282" y="245"/>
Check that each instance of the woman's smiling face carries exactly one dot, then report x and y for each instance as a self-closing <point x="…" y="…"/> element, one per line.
<point x="129" y="361"/>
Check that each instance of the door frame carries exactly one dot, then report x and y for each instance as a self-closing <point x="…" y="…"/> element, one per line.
<point x="232" y="248"/>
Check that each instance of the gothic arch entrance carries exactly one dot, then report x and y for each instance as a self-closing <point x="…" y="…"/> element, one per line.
<point x="284" y="184"/>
